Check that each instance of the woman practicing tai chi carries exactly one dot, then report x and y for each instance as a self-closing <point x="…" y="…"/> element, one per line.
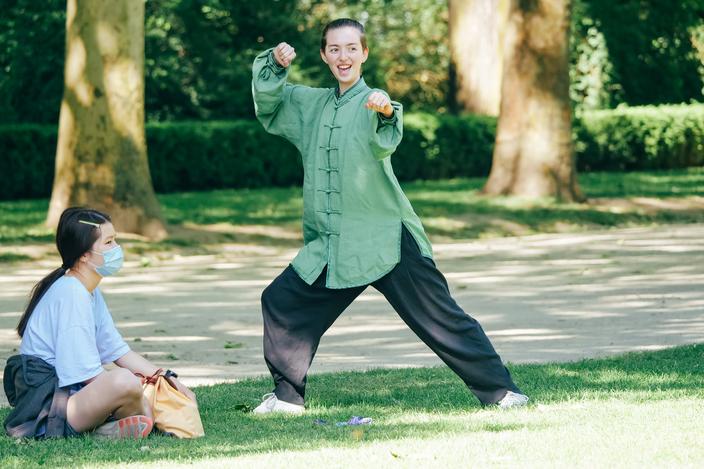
<point x="359" y="228"/>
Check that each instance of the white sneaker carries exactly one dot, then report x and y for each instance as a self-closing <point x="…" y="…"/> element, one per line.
<point x="513" y="399"/>
<point x="270" y="403"/>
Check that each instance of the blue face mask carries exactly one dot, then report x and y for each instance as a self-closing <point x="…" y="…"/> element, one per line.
<point x="112" y="261"/>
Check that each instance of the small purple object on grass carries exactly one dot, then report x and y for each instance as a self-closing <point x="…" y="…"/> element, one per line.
<point x="356" y="421"/>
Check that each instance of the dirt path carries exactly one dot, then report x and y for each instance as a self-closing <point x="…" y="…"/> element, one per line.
<point x="540" y="298"/>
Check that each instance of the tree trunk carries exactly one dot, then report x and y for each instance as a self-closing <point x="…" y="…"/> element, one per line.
<point x="533" y="151"/>
<point x="476" y="28"/>
<point x="101" y="155"/>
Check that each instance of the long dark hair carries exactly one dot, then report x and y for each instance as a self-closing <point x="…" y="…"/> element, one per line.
<point x="73" y="239"/>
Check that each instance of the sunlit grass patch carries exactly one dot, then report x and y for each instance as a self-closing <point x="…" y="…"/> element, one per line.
<point x="633" y="410"/>
<point x="451" y="209"/>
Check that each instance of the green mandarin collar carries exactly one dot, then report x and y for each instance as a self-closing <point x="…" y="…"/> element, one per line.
<point x="350" y="93"/>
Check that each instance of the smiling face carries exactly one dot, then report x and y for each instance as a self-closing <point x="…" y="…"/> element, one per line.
<point x="345" y="55"/>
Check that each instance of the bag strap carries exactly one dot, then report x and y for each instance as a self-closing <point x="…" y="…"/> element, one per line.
<point x="150" y="379"/>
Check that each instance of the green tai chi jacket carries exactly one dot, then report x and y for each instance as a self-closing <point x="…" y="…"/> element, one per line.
<point x="353" y="206"/>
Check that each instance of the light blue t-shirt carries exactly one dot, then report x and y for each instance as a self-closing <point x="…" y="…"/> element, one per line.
<point x="72" y="330"/>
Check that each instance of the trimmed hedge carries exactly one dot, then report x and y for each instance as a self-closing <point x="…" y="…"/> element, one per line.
<point x="27" y="160"/>
<point x="640" y="138"/>
<point x="207" y="155"/>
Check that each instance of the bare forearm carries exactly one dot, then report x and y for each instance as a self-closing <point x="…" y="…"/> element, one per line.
<point x="136" y="363"/>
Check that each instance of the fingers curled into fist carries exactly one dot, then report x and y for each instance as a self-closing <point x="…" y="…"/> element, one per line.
<point x="379" y="102"/>
<point x="284" y="54"/>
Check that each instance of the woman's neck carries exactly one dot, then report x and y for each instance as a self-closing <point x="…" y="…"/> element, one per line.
<point x="89" y="278"/>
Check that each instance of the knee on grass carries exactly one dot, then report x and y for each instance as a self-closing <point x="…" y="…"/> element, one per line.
<point x="127" y="385"/>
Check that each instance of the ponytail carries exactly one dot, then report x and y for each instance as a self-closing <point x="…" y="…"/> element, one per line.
<point x="36" y="295"/>
<point x="78" y="229"/>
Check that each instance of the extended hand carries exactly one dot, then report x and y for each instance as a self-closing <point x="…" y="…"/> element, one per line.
<point x="284" y="54"/>
<point x="379" y="102"/>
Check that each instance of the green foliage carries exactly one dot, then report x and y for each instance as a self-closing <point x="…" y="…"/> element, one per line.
<point x="435" y="147"/>
<point x="27" y="160"/>
<point x="198" y="53"/>
<point x="592" y="80"/>
<point x="635" y="52"/>
<point x="31" y="60"/>
<point x="199" y="156"/>
<point x="649" y="137"/>
<point x="210" y="155"/>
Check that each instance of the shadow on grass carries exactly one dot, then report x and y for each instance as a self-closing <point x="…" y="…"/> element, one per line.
<point x="661" y="373"/>
<point x="23" y="221"/>
<point x="269" y="206"/>
<point x="484" y="217"/>
<point x="674" y="183"/>
<point x="684" y="182"/>
<point x="394" y="398"/>
<point x="272" y="216"/>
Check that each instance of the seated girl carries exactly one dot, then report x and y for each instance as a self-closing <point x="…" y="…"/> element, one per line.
<point x="57" y="384"/>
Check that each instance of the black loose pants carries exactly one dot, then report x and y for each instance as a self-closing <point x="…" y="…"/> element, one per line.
<point x="296" y="315"/>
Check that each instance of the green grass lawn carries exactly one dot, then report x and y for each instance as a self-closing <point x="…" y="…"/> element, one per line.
<point x="450" y="209"/>
<point x="634" y="410"/>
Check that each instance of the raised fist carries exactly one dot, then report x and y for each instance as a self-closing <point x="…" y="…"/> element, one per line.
<point x="284" y="54"/>
<point x="380" y="103"/>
